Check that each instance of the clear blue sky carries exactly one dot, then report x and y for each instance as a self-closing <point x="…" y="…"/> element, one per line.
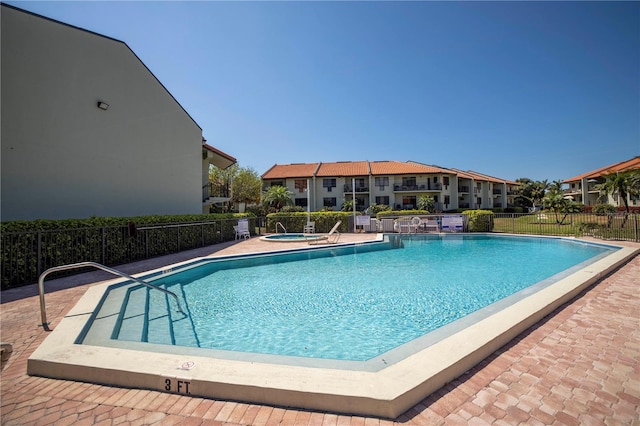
<point x="545" y="90"/>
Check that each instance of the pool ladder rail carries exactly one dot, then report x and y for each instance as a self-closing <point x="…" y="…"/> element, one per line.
<point x="43" y="312"/>
<point x="281" y="226"/>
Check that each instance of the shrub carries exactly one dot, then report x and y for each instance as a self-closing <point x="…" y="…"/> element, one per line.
<point x="514" y="210"/>
<point x="603" y="209"/>
<point x="480" y="220"/>
<point x="374" y="209"/>
<point x="411" y="213"/>
<point x="295" y="222"/>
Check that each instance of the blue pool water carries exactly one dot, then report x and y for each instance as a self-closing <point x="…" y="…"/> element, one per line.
<point x="357" y="302"/>
<point x="291" y="237"/>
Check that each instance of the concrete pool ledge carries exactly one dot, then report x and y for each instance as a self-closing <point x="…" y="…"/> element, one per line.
<point x="386" y="393"/>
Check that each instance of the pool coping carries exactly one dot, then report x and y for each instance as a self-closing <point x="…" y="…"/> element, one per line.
<point x="385" y="393"/>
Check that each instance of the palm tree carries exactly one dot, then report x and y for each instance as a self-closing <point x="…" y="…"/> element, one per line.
<point x="621" y="184"/>
<point x="277" y="197"/>
<point x="556" y="201"/>
<point x="532" y="191"/>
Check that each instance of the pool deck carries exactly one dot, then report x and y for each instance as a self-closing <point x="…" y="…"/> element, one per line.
<point x="581" y="365"/>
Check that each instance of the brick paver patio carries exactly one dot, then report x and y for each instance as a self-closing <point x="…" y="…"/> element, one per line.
<point x="581" y="366"/>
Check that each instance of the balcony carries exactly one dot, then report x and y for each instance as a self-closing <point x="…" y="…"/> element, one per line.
<point x="497" y="192"/>
<point x="215" y="194"/>
<point x="464" y="189"/>
<point x="418" y="187"/>
<point x="359" y="189"/>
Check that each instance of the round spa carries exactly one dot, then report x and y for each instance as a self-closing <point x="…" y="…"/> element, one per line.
<point x="292" y="237"/>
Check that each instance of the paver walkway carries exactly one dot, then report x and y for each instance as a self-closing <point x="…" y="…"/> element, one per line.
<point x="581" y="366"/>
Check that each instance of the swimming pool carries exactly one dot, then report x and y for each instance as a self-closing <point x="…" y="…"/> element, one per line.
<point x="350" y="303"/>
<point x="384" y="386"/>
<point x="291" y="237"/>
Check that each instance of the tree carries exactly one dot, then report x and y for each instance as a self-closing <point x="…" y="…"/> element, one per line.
<point x="347" y="206"/>
<point x="427" y="203"/>
<point x="246" y="186"/>
<point x="277" y="197"/>
<point x="621" y="184"/>
<point x="557" y="202"/>
<point x="221" y="181"/>
<point x="531" y="192"/>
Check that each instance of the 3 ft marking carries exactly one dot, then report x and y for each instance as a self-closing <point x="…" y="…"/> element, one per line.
<point x="177" y="386"/>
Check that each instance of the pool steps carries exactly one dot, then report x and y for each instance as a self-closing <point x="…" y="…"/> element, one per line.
<point x="149" y="317"/>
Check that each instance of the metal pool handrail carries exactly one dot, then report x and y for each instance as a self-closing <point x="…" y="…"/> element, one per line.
<point x="43" y="313"/>
<point x="282" y="226"/>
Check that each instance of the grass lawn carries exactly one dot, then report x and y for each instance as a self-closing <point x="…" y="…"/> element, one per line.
<point x="545" y="223"/>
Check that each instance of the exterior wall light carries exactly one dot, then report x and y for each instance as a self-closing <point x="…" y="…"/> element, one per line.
<point x="103" y="105"/>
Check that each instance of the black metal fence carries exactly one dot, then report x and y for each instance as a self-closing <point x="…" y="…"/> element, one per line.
<point x="25" y="255"/>
<point x="620" y="227"/>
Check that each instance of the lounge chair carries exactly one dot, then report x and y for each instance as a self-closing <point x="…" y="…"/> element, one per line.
<point x="309" y="228"/>
<point x="332" y="237"/>
<point x="242" y="229"/>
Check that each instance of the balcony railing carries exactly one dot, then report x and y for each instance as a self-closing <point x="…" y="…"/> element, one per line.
<point x="210" y="190"/>
<point x="463" y="189"/>
<point x="428" y="186"/>
<point x="347" y="188"/>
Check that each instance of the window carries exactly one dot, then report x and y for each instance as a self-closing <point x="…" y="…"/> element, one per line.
<point x="329" y="201"/>
<point x="381" y="182"/>
<point x="329" y="183"/>
<point x="447" y="200"/>
<point x="277" y="183"/>
<point x="445" y="180"/>
<point x="382" y="200"/>
<point x="479" y="201"/>
<point x="302" y="202"/>
<point x="300" y="184"/>
<point x="359" y="183"/>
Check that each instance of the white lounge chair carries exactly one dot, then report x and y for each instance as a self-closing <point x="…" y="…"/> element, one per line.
<point x="332" y="237"/>
<point x="309" y="228"/>
<point x="242" y="229"/>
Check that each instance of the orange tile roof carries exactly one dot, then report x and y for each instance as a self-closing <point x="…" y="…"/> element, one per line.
<point x="482" y="176"/>
<point x="622" y="166"/>
<point x="217" y="151"/>
<point x="364" y="168"/>
<point x="283" y="171"/>
<point x="344" y="168"/>
<point x="399" y="168"/>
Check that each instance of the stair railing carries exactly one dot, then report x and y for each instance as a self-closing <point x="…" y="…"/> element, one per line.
<point x="43" y="312"/>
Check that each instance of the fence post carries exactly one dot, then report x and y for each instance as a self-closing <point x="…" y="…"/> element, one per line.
<point x="635" y="227"/>
<point x="39" y="261"/>
<point x="103" y="255"/>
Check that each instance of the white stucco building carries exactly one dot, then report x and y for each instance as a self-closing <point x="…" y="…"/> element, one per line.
<point x="88" y="130"/>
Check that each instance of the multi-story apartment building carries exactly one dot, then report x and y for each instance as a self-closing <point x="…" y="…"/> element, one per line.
<point x="392" y="183"/>
<point x="583" y="187"/>
<point x="88" y="130"/>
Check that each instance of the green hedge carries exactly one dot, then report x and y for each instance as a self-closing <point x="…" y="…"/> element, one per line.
<point x="104" y="240"/>
<point x="479" y="220"/>
<point x="100" y="222"/>
<point x="403" y="213"/>
<point x="295" y="222"/>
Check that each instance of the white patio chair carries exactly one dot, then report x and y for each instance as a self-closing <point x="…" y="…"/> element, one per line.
<point x="309" y="228"/>
<point x="242" y="229"/>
